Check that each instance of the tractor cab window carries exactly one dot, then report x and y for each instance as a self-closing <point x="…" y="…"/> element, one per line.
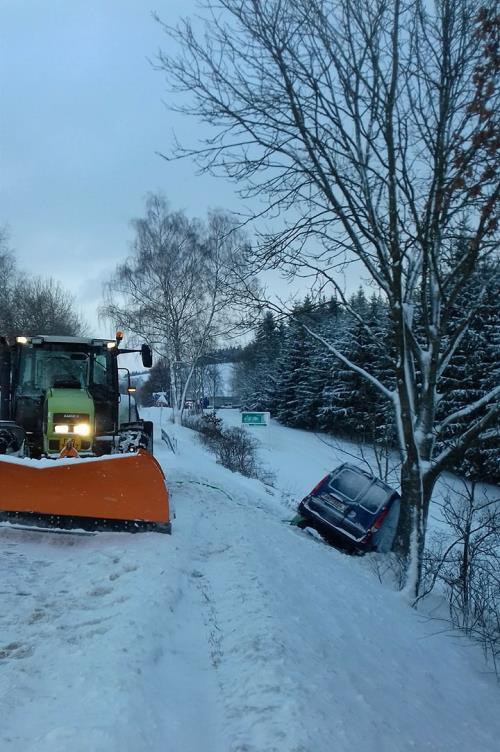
<point x="42" y="369"/>
<point x="53" y="366"/>
<point x="102" y="371"/>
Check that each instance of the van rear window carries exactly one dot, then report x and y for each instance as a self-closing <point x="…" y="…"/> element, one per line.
<point x="349" y="484"/>
<point x="355" y="487"/>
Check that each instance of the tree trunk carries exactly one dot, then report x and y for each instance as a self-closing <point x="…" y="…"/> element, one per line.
<point x="416" y="493"/>
<point x="174" y="394"/>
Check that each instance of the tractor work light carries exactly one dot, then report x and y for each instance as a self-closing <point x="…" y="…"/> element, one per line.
<point x="22" y="340"/>
<point x="110" y="345"/>
<point x="82" y="429"/>
<point x="61" y="428"/>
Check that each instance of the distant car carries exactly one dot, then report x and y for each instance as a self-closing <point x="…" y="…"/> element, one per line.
<point x="353" y="510"/>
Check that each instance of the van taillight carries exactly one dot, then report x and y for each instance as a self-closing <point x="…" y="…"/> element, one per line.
<point x="378" y="522"/>
<point x="318" y="485"/>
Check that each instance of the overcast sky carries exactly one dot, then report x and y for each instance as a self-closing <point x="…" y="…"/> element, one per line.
<point x="81" y="119"/>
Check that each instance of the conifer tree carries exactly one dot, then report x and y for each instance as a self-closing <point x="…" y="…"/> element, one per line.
<point x="292" y="368"/>
<point x="473" y="371"/>
<point x="267" y="351"/>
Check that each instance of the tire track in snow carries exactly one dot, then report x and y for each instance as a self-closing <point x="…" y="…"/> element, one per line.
<point x="243" y="638"/>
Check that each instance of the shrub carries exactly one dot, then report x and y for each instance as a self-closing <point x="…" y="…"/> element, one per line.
<point x="233" y="447"/>
<point x="237" y="451"/>
<point x="210" y="425"/>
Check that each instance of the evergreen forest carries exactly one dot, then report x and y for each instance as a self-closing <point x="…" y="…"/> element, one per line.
<point x="284" y="370"/>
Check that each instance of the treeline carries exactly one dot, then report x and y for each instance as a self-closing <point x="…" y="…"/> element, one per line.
<point x="284" y="370"/>
<point x="31" y="304"/>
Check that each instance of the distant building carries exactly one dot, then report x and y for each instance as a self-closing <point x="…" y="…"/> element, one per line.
<point x="227" y="401"/>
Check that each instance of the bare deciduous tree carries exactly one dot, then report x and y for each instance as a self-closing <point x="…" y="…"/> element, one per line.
<point x="7" y="281"/>
<point x="212" y="382"/>
<point x="464" y="557"/>
<point x="33" y="305"/>
<point x="43" y="306"/>
<point x="176" y="287"/>
<point x="370" y="126"/>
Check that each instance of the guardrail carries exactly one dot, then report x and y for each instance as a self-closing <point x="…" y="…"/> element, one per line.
<point x="168" y="441"/>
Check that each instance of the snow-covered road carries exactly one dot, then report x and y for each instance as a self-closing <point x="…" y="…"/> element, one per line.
<point x="235" y="634"/>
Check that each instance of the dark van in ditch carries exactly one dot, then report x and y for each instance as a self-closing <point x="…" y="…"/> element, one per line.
<point x="352" y="509"/>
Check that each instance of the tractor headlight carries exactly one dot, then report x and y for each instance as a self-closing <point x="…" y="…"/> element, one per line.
<point x="82" y="429"/>
<point x="61" y="428"/>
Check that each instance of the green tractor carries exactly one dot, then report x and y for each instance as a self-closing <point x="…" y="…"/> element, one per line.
<point x="54" y="389"/>
<point x="60" y="400"/>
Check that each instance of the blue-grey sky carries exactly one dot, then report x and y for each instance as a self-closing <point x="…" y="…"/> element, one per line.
<point x="81" y="119"/>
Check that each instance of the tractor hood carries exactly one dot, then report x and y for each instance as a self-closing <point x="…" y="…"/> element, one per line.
<point x="70" y="414"/>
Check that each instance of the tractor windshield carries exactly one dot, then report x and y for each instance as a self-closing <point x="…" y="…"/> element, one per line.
<point x="72" y="367"/>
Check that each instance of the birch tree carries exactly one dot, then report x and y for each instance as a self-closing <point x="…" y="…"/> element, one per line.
<point x="174" y="289"/>
<point x="371" y="127"/>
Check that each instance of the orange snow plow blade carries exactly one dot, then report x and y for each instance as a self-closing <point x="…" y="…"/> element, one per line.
<point x="128" y="487"/>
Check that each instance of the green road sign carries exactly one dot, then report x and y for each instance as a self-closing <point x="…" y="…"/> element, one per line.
<point x="254" y="419"/>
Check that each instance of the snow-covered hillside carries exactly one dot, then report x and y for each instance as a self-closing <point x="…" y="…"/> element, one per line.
<point x="235" y="634"/>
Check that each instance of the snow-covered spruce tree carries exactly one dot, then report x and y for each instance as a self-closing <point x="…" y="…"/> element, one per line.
<point x="267" y="349"/>
<point x="341" y="394"/>
<point x="293" y="369"/>
<point x="472" y="373"/>
<point x="321" y="368"/>
<point x="485" y="452"/>
<point x="373" y="127"/>
<point x="298" y="394"/>
<point x="353" y="407"/>
<point x="378" y="412"/>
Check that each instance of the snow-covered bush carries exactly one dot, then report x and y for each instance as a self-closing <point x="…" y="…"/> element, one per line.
<point x="208" y="426"/>
<point x="237" y="450"/>
<point x="233" y="447"/>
